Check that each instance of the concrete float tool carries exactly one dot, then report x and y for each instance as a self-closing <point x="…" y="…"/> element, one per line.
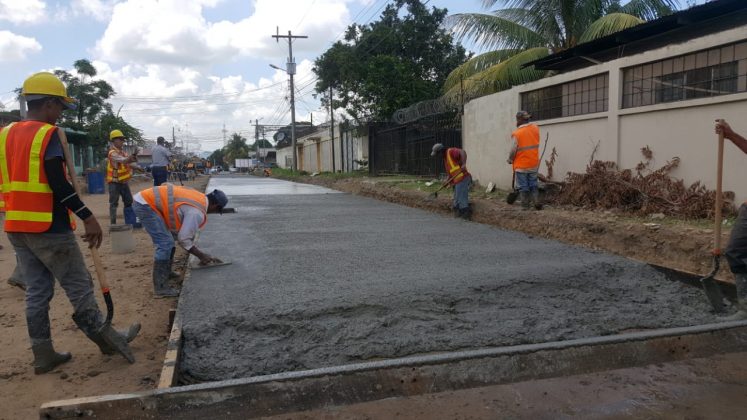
<point x="710" y="286"/>
<point x="115" y="341"/>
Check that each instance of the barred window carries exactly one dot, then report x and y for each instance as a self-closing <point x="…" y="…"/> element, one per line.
<point x="579" y="97"/>
<point x="713" y="72"/>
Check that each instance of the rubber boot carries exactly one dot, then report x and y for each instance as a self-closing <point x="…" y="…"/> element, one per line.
<point x="113" y="215"/>
<point x="536" y="200"/>
<point x="45" y="358"/>
<point x="105" y="347"/>
<point x="91" y="322"/>
<point x="740" y="280"/>
<point x="466" y="213"/>
<point x="161" y="289"/>
<point x="173" y="275"/>
<point x="524" y="197"/>
<point x="15" y="279"/>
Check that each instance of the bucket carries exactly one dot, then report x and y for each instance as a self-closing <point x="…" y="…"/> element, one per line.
<point x="121" y="238"/>
<point x="95" y="182"/>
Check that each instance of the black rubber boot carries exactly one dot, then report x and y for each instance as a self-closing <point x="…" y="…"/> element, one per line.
<point x="173" y="275"/>
<point x="91" y="322"/>
<point x="740" y="280"/>
<point x="113" y="216"/>
<point x="466" y="213"/>
<point x="45" y="358"/>
<point x="536" y="200"/>
<point x="161" y="288"/>
<point x="524" y="197"/>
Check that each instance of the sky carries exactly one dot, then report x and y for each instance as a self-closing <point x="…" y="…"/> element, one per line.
<point x="191" y="67"/>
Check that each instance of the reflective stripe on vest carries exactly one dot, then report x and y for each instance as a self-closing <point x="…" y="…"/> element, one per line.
<point x="124" y="171"/>
<point x="527" y="150"/>
<point x="453" y="168"/>
<point x="28" y="197"/>
<point x="166" y="200"/>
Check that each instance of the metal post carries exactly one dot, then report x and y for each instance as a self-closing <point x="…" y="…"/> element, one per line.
<point x="332" y="129"/>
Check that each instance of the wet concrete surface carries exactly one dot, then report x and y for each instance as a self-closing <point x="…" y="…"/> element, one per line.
<point x="328" y="279"/>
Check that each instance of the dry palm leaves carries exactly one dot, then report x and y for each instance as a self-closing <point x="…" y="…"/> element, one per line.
<point x="641" y="190"/>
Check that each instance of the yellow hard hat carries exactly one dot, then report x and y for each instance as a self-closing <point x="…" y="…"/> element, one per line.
<point x="45" y="84"/>
<point x="115" y="133"/>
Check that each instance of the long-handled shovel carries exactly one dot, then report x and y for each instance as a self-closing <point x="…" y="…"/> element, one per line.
<point x="432" y="196"/>
<point x="511" y="197"/>
<point x="710" y="286"/>
<point x="100" y="274"/>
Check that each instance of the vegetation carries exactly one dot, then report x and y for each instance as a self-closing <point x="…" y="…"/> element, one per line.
<point x="389" y="64"/>
<point x="527" y="30"/>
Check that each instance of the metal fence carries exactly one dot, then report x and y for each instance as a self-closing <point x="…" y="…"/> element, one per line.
<point x="406" y="148"/>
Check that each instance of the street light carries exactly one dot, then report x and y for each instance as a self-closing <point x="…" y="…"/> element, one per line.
<point x="291" y="70"/>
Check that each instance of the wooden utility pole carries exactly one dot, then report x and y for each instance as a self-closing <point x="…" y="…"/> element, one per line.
<point x="332" y="128"/>
<point x="291" y="70"/>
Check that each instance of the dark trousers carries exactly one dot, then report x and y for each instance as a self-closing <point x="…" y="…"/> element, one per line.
<point x="117" y="190"/>
<point x="736" y="251"/>
<point x="160" y="175"/>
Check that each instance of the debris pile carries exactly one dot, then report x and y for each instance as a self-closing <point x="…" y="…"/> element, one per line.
<point x="640" y="191"/>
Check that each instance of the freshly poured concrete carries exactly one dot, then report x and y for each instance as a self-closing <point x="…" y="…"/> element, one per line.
<point x="329" y="279"/>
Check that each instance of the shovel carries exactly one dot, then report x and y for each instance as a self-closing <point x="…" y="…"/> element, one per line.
<point x="513" y="195"/>
<point x="432" y="196"/>
<point x="710" y="286"/>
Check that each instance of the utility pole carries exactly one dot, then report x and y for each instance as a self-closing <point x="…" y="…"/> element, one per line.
<point x="332" y="128"/>
<point x="224" y="135"/>
<point x="256" y="139"/>
<point x="291" y="70"/>
<point x="173" y="137"/>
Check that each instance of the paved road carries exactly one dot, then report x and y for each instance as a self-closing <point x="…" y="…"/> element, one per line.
<point x="321" y="278"/>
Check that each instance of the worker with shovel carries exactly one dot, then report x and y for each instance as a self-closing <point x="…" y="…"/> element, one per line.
<point x="524" y="157"/>
<point x="455" y="163"/>
<point x="736" y="250"/>
<point x="167" y="211"/>
<point x="40" y="202"/>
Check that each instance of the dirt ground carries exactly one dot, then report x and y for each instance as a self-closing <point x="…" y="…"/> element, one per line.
<point x="89" y="373"/>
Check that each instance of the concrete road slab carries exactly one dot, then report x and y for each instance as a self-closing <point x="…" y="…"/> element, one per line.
<point x="329" y="279"/>
<point x="253" y="185"/>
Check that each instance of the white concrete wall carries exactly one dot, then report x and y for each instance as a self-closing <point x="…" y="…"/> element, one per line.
<point x="683" y="129"/>
<point x="281" y="157"/>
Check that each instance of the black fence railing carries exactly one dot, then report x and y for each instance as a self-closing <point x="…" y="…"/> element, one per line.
<point x="406" y="148"/>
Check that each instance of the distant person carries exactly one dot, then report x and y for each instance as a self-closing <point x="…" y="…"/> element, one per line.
<point x="455" y="163"/>
<point x="161" y="158"/>
<point x="524" y="157"/>
<point x="736" y="250"/>
<point x="118" y="175"/>
<point x="170" y="211"/>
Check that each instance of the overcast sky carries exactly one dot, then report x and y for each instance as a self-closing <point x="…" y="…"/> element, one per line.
<point x="194" y="65"/>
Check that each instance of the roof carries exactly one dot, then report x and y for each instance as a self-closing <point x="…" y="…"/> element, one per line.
<point x="695" y="22"/>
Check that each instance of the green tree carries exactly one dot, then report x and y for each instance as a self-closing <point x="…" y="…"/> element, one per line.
<point x="389" y="64"/>
<point x="526" y="30"/>
<point x="217" y="158"/>
<point x="235" y="149"/>
<point x="91" y="95"/>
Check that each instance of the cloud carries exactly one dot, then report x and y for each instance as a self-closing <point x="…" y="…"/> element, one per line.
<point x="16" y="47"/>
<point x="22" y="11"/>
<point x="100" y="10"/>
<point x="139" y="32"/>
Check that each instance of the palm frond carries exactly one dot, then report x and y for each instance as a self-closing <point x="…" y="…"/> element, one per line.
<point x="609" y="24"/>
<point x="476" y="65"/>
<point x="650" y="9"/>
<point x="493" y="32"/>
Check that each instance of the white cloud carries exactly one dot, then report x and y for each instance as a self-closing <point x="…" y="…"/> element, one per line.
<point x="22" y="11"/>
<point x="101" y="10"/>
<point x="147" y="31"/>
<point x="16" y="47"/>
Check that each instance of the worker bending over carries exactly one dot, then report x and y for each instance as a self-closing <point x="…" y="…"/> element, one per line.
<point x="40" y="203"/>
<point x="118" y="175"/>
<point x="169" y="210"/>
<point x="455" y="163"/>
<point x="524" y="157"/>
<point x="736" y="251"/>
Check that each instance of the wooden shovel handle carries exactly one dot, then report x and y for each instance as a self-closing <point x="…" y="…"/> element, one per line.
<point x="719" y="196"/>
<point x="100" y="274"/>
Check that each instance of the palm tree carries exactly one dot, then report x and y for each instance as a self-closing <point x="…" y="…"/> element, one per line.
<point x="526" y="30"/>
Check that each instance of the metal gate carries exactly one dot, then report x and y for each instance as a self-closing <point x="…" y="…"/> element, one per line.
<point x="406" y="148"/>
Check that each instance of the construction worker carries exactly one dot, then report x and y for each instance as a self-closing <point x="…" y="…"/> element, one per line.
<point x="159" y="167"/>
<point x="40" y="204"/>
<point x="167" y="211"/>
<point x="455" y="163"/>
<point x="118" y="175"/>
<point x="524" y="157"/>
<point x="736" y="250"/>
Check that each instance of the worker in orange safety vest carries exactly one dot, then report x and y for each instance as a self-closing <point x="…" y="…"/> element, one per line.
<point x="524" y="158"/>
<point x="118" y="175"/>
<point x="39" y="204"/>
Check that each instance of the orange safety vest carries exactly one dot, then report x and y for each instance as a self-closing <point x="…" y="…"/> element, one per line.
<point x="29" y="201"/>
<point x="167" y="198"/>
<point x="116" y="172"/>
<point x="452" y="167"/>
<point x="527" y="147"/>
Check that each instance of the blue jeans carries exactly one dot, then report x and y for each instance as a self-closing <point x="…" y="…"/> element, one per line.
<point x="160" y="175"/>
<point x="156" y="228"/>
<point x="461" y="193"/>
<point x="526" y="181"/>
